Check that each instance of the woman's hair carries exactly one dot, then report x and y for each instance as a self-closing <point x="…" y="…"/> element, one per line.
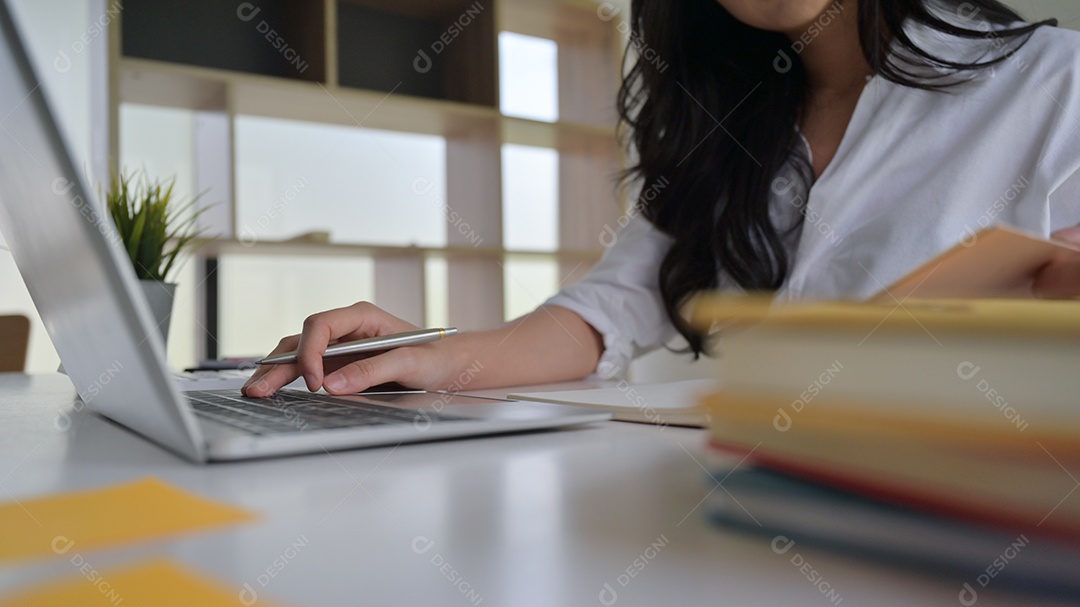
<point x="712" y="109"/>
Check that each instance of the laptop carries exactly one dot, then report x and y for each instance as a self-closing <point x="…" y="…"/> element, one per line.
<point x="83" y="286"/>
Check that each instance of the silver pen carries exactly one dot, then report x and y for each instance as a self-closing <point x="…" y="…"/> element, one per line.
<point x="370" y="344"/>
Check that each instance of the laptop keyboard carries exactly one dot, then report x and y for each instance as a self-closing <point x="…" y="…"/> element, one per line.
<point x="297" y="412"/>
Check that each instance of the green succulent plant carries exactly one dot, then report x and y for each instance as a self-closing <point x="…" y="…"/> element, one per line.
<point x="154" y="225"/>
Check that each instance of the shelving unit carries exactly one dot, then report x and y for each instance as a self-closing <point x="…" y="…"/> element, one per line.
<point x="412" y="66"/>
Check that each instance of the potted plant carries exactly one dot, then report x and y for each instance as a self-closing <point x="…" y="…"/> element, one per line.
<point x="155" y="227"/>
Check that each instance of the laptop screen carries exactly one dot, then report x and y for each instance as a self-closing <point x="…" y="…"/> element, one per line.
<point x="75" y="269"/>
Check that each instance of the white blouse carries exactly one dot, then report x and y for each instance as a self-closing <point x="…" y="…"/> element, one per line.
<point x="915" y="172"/>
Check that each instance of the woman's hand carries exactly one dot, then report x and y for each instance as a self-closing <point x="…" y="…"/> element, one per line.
<point x="1060" y="279"/>
<point x="427" y="366"/>
<point x="548" y="345"/>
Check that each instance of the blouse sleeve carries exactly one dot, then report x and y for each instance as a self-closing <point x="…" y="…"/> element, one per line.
<point x="620" y="297"/>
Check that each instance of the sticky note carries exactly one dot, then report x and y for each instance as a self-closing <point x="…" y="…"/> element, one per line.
<point x="159" y="582"/>
<point x="79" y="521"/>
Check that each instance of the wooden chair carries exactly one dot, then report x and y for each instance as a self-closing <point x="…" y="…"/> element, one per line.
<point x="14" y="342"/>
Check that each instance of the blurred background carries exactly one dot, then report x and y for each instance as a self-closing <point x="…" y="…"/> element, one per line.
<point x="451" y="161"/>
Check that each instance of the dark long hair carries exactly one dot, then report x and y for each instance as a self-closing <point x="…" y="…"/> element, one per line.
<point x="711" y="108"/>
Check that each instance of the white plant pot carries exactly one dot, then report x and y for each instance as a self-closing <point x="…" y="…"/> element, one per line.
<point x="160" y="296"/>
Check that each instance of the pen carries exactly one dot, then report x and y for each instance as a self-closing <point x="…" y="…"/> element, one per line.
<point x="370" y="344"/>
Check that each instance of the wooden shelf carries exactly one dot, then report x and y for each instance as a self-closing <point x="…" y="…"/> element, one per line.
<point x="556" y="135"/>
<point x="164" y="84"/>
<point x="426" y="67"/>
<point x="170" y="85"/>
<point x="194" y="88"/>
<point x="354" y="107"/>
<point x="221" y="247"/>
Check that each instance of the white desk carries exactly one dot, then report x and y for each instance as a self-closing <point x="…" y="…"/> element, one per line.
<point x="536" y="519"/>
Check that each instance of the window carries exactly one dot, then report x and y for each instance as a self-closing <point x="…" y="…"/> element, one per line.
<point x="528" y="77"/>
<point x="358" y="185"/>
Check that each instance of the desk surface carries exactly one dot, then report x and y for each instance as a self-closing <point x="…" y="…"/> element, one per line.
<point x="546" y="518"/>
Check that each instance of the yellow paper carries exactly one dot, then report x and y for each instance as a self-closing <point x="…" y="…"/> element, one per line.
<point x="159" y="582"/>
<point x="76" y="522"/>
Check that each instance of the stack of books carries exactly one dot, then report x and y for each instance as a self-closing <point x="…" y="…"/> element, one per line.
<point x="940" y="434"/>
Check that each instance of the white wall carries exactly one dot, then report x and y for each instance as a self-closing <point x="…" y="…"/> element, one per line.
<point x="50" y="28"/>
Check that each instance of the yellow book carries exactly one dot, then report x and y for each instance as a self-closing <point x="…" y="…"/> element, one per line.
<point x="1011" y="366"/>
<point x="1029" y="318"/>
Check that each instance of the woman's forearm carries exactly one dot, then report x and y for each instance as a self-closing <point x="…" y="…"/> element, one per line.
<point x="547" y="345"/>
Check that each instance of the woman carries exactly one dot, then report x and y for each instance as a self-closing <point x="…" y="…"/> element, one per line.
<point x="820" y="148"/>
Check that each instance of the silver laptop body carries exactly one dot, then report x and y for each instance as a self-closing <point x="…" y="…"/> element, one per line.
<point x="82" y="284"/>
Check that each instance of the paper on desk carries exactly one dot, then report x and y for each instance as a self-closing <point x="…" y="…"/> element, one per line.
<point x="158" y="582"/>
<point x="67" y="523"/>
<point x="674" y="403"/>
